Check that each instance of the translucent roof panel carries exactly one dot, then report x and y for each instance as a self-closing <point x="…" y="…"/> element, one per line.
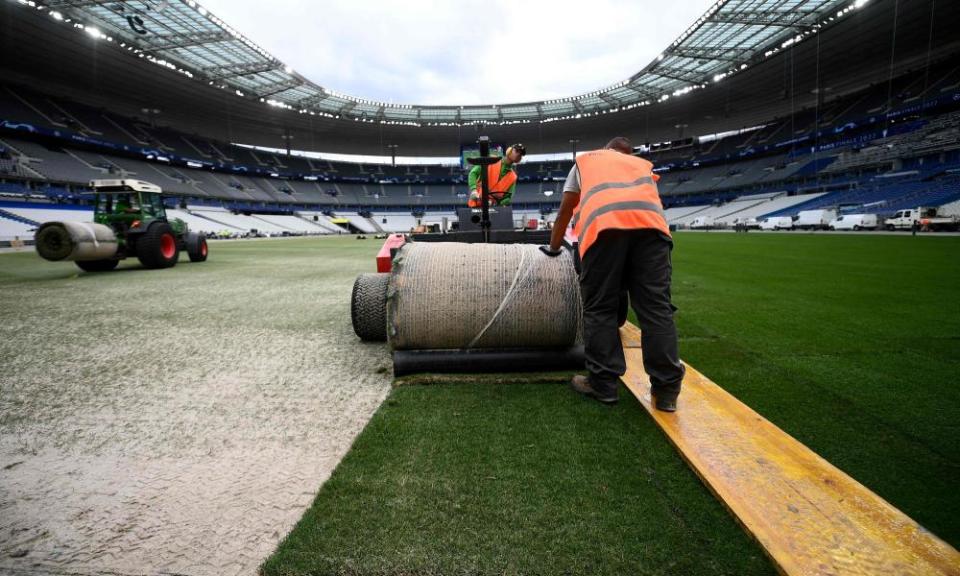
<point x="182" y="35"/>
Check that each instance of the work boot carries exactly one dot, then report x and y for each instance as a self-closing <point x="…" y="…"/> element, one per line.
<point x="664" y="402"/>
<point x="581" y="385"/>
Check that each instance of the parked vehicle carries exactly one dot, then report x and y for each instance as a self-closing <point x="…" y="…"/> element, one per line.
<point x="745" y="224"/>
<point x="854" y="222"/>
<point x="925" y="218"/>
<point x="777" y="223"/>
<point x="702" y="223"/>
<point x="814" y="219"/>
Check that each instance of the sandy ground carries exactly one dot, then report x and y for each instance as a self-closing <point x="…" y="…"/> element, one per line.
<point x="177" y="421"/>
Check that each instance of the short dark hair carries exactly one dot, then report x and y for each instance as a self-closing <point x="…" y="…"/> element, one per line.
<point x="620" y="144"/>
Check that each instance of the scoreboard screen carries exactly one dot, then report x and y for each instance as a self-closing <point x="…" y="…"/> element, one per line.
<point x="472" y="150"/>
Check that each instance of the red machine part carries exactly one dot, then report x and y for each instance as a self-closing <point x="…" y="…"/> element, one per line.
<point x="385" y="255"/>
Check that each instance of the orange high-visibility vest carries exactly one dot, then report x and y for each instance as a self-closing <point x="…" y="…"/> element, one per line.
<point x="617" y="191"/>
<point x="498" y="186"/>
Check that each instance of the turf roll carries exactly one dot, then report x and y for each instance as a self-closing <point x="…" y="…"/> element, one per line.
<point x="75" y="241"/>
<point x="450" y="295"/>
<point x="482" y="307"/>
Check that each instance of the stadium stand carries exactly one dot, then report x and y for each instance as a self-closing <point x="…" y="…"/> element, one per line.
<point x="951" y="209"/>
<point x="322" y="220"/>
<point x="395" y="222"/>
<point x="359" y="222"/>
<point x="243" y="222"/>
<point x="46" y="213"/>
<point x="876" y="150"/>
<point x="773" y="204"/>
<point x="293" y="223"/>
<point x="14" y="229"/>
<point x="673" y="215"/>
<point x="204" y="225"/>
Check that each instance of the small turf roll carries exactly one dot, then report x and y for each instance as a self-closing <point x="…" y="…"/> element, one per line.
<point x="53" y="241"/>
<point x="75" y="241"/>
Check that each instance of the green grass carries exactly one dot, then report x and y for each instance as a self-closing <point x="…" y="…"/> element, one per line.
<point x="515" y="479"/>
<point x="849" y="343"/>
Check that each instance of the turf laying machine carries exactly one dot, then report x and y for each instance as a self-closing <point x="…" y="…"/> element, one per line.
<point x="129" y="220"/>
<point x="480" y="299"/>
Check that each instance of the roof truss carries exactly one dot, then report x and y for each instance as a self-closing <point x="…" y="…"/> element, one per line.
<point x="731" y="35"/>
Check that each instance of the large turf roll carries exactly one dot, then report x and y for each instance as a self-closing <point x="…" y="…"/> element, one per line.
<point x="449" y="295"/>
<point x="75" y="241"/>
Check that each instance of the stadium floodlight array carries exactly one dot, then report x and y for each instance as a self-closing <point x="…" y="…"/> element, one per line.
<point x="183" y="36"/>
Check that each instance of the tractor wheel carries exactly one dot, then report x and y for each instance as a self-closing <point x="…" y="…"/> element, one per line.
<point x="368" y="306"/>
<point x="197" y="247"/>
<point x="157" y="248"/>
<point x="97" y="265"/>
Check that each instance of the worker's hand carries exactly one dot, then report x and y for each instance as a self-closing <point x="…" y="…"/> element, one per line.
<point x="550" y="252"/>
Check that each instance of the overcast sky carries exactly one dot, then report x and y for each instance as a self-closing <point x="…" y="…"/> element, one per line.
<point x="462" y="51"/>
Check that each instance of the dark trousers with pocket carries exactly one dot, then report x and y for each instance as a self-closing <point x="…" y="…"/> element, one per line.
<point x="638" y="262"/>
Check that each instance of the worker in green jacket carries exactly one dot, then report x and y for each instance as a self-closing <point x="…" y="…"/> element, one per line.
<point x="501" y="179"/>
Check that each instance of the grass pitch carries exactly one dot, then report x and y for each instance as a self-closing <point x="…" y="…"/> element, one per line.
<point x="849" y="343"/>
<point x="176" y="421"/>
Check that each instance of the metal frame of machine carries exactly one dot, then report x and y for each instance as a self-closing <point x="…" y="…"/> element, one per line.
<point x="370" y="291"/>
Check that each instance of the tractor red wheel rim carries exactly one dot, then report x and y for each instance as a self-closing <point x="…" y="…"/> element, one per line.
<point x="168" y="247"/>
<point x="203" y="248"/>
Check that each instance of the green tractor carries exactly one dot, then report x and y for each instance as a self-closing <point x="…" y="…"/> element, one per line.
<point x="129" y="220"/>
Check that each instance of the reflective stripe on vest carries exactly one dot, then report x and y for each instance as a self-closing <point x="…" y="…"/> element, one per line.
<point x="617" y="185"/>
<point x="619" y="192"/>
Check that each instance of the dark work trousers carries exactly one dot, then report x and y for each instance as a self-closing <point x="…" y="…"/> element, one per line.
<point x="636" y="261"/>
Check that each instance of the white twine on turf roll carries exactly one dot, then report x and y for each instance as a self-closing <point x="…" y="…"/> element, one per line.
<point x="450" y="295"/>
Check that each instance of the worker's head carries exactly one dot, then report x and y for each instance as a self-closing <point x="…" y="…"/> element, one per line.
<point x="515" y="153"/>
<point x="620" y="144"/>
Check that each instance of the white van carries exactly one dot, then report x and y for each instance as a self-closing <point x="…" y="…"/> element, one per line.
<point x="814" y="219"/>
<point x="702" y="222"/>
<point x="854" y="222"/>
<point x="777" y="223"/>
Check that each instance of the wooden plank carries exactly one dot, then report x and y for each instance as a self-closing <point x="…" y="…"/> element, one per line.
<point x="809" y="516"/>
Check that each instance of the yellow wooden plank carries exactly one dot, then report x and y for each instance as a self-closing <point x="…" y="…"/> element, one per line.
<point x="809" y="516"/>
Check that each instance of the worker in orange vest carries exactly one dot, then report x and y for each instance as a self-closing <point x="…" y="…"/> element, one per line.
<point x="501" y="178"/>
<point x="624" y="244"/>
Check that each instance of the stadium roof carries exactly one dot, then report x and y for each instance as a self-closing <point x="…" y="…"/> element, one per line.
<point x="181" y="35"/>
